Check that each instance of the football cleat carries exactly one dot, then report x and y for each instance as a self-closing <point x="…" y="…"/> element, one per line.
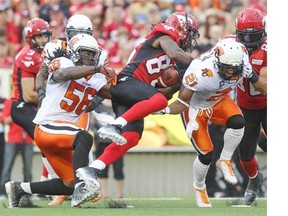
<point x="90" y="176"/>
<point x="202" y="199"/>
<point x="112" y="132"/>
<point x="14" y="193"/>
<point x="225" y="166"/>
<point x="82" y="193"/>
<point x="252" y="188"/>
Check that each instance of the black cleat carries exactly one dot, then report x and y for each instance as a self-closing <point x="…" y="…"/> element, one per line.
<point x="14" y="193"/>
<point x="252" y="188"/>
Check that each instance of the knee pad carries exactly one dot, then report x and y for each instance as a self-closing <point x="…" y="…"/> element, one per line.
<point x="207" y="158"/>
<point x="235" y="122"/>
<point x="84" y="138"/>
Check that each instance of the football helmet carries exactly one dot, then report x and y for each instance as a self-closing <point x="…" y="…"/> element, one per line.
<point x="36" y="26"/>
<point x="77" y="24"/>
<point x="83" y="42"/>
<point x="250" y="27"/>
<point x="187" y="28"/>
<point x="54" y="49"/>
<point x="228" y="59"/>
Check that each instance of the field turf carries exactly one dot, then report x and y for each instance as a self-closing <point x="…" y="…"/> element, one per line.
<point x="141" y="207"/>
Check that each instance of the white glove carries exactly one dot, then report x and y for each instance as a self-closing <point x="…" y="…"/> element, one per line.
<point x="247" y="71"/>
<point x="166" y="110"/>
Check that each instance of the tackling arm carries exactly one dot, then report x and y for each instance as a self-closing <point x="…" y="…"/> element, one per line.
<point x="173" y="51"/>
<point x="182" y="102"/>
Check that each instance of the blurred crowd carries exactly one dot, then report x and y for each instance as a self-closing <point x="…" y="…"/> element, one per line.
<point x="119" y="25"/>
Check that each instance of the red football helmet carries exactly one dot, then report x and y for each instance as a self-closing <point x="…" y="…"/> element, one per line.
<point x="187" y="27"/>
<point x="36" y="26"/>
<point x="250" y="27"/>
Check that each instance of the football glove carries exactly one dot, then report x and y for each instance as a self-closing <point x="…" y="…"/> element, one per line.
<point x="95" y="102"/>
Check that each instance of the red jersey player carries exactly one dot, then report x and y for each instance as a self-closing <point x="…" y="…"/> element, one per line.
<point x="251" y="94"/>
<point x="27" y="63"/>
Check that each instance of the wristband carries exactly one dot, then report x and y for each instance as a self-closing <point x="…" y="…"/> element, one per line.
<point x="254" y="78"/>
<point x="183" y="102"/>
<point x="97" y="68"/>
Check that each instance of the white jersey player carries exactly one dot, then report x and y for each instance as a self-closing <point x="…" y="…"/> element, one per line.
<point x="204" y="97"/>
<point x="59" y="134"/>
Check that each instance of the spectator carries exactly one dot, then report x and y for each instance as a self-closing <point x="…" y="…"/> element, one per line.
<point x="5" y="59"/>
<point x="17" y="141"/>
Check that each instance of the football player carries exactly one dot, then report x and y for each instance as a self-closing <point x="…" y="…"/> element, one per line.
<point x="37" y="33"/>
<point x="59" y="133"/>
<point x="135" y="95"/>
<point x="251" y="95"/>
<point x="204" y="91"/>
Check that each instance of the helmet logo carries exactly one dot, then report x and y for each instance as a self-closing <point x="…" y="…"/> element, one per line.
<point x="219" y="51"/>
<point x="73" y="41"/>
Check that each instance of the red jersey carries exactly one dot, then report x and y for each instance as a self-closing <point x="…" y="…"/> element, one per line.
<point x="27" y="64"/>
<point x="16" y="134"/>
<point x="146" y="62"/>
<point x="247" y="96"/>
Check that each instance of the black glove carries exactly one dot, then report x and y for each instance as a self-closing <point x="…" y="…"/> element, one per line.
<point x="96" y="101"/>
<point x="41" y="91"/>
<point x="181" y="68"/>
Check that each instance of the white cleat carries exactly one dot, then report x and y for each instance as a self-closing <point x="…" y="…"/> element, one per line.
<point x="112" y="132"/>
<point x="226" y="167"/>
<point x="202" y="199"/>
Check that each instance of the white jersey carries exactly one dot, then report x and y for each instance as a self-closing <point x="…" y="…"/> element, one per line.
<point x="66" y="101"/>
<point x="209" y="88"/>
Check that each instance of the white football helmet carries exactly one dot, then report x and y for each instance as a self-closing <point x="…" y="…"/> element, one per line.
<point x="82" y="42"/>
<point x="77" y="24"/>
<point x="53" y="49"/>
<point x="228" y="59"/>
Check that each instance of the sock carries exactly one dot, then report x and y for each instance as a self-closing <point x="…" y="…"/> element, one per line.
<point x="200" y="171"/>
<point x="113" y="151"/>
<point x="144" y="108"/>
<point x="232" y="138"/>
<point x="53" y="186"/>
<point x="250" y="167"/>
<point x="120" y="121"/>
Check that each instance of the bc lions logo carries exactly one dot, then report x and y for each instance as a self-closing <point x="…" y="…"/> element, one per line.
<point x="207" y="73"/>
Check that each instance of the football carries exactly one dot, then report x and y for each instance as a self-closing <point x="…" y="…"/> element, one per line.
<point x="169" y="77"/>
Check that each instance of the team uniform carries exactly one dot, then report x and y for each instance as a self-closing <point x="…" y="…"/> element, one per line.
<point x="253" y="105"/>
<point x="59" y="118"/>
<point x="27" y="64"/>
<point x="141" y="74"/>
<point x="210" y="101"/>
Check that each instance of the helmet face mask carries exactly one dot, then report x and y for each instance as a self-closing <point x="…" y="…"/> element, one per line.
<point x="83" y="50"/>
<point x="78" y="24"/>
<point x="250" y="27"/>
<point x="187" y="28"/>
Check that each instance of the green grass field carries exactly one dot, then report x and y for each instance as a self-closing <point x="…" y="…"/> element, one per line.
<point x="141" y="207"/>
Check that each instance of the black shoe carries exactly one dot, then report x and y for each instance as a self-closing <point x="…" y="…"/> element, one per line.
<point x="14" y="193"/>
<point x="252" y="188"/>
